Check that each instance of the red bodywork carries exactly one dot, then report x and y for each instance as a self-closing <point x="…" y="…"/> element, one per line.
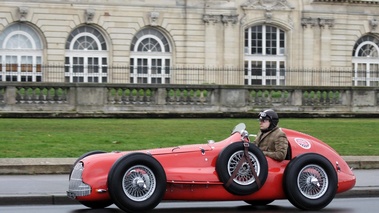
<point x="191" y="173"/>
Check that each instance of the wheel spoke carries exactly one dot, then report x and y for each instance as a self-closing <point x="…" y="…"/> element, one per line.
<point x="139" y="183"/>
<point x="245" y="175"/>
<point x="312" y="181"/>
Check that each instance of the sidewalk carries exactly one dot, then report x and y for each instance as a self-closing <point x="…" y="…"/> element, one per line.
<point x="49" y="188"/>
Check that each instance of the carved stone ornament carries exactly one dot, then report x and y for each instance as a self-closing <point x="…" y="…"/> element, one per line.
<point x="89" y="14"/>
<point x="268" y="16"/>
<point x="305" y="22"/>
<point x="154" y="16"/>
<point x="373" y="24"/>
<point x="320" y="22"/>
<point x="210" y="18"/>
<point x="226" y="19"/>
<point x="267" y="5"/>
<point x="23" y="13"/>
<point x="327" y="22"/>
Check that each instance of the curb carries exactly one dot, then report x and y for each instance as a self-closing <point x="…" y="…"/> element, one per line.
<point x="359" y="192"/>
<point x="36" y="200"/>
<point x="34" y="166"/>
<point x="362" y="162"/>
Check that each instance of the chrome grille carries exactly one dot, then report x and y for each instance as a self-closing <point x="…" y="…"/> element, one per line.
<point x="76" y="186"/>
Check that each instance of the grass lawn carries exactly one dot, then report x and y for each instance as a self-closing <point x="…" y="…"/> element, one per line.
<point x="73" y="137"/>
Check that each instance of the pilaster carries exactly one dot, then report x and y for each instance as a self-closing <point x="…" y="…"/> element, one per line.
<point x="308" y="41"/>
<point x="211" y="35"/>
<point x="317" y="41"/>
<point x="326" y="25"/>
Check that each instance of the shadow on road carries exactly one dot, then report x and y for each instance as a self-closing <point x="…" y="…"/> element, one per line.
<point x="255" y="209"/>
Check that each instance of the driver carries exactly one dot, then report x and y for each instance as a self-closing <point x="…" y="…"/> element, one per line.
<point x="271" y="139"/>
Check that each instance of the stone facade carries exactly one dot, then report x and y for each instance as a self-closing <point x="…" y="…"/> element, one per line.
<point x="320" y="34"/>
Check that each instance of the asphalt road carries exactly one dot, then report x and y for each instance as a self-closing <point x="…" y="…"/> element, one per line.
<point x="351" y="205"/>
<point x="51" y="189"/>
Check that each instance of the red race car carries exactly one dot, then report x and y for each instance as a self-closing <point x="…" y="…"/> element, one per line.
<point x="232" y="169"/>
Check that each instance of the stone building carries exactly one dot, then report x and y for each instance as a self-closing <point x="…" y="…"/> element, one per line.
<point x="243" y="42"/>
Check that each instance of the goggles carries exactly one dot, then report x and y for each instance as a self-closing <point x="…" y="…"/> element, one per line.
<point x="263" y="116"/>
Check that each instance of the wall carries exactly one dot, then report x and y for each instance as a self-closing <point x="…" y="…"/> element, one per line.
<point x="129" y="100"/>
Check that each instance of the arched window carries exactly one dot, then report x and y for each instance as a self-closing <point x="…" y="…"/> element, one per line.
<point x="366" y="61"/>
<point x="264" y="55"/>
<point x="20" y="54"/>
<point x="150" y="58"/>
<point x="86" y="56"/>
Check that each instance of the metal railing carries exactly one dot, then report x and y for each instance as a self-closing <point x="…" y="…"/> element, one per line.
<point x="196" y="76"/>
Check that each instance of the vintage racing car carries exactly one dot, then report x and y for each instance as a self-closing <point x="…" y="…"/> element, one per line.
<point x="231" y="169"/>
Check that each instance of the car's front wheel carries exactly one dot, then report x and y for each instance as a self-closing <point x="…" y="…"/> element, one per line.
<point x="310" y="181"/>
<point x="97" y="204"/>
<point x="136" y="182"/>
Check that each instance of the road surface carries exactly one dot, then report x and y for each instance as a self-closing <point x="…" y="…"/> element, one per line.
<point x="350" y="205"/>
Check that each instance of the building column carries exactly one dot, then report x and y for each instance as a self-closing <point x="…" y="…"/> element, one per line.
<point x="325" y="52"/>
<point x="211" y="38"/>
<point x="308" y="42"/>
<point x="230" y="42"/>
<point x="231" y="49"/>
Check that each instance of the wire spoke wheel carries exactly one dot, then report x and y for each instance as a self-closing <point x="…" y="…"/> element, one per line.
<point x="312" y="181"/>
<point x="245" y="175"/>
<point x="139" y="183"/>
<point x="244" y="182"/>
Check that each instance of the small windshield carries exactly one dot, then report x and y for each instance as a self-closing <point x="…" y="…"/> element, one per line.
<point x="239" y="128"/>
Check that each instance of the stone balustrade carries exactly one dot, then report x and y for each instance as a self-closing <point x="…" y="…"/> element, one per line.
<point x="148" y="100"/>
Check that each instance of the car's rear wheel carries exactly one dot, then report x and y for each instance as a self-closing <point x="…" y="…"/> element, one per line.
<point x="259" y="202"/>
<point x="244" y="182"/>
<point x="310" y="181"/>
<point x="137" y="182"/>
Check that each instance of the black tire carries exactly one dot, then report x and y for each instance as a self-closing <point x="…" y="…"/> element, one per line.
<point x="244" y="183"/>
<point x="259" y="202"/>
<point x="92" y="204"/>
<point x="97" y="204"/>
<point x="137" y="182"/>
<point x="310" y="181"/>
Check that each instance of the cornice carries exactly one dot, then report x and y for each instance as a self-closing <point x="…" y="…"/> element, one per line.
<point x="350" y="1"/>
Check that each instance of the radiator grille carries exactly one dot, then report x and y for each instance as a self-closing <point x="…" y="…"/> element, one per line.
<point x="76" y="186"/>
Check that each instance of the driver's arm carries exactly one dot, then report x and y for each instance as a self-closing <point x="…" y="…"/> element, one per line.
<point x="281" y="146"/>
